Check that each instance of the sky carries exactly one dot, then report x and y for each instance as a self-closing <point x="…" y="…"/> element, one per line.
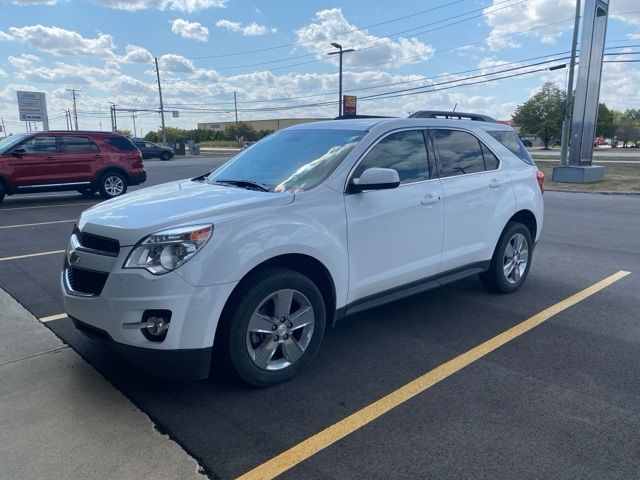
<point x="274" y="55"/>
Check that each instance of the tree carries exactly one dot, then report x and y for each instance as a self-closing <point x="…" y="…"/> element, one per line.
<point x="628" y="126"/>
<point x="542" y="114"/>
<point x="240" y="131"/>
<point x="606" y="125"/>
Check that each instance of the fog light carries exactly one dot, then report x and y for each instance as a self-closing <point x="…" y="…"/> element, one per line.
<point x="154" y="325"/>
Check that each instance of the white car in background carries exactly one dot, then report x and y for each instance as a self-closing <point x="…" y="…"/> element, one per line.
<point x="253" y="261"/>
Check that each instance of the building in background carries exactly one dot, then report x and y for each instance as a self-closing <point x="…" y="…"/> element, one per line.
<point x="272" y="124"/>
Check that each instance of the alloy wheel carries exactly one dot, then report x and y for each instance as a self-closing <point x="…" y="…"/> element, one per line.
<point x="280" y="330"/>
<point x="114" y="185"/>
<point x="516" y="257"/>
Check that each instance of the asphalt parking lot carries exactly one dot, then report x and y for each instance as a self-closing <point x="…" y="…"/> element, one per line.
<point x="561" y="400"/>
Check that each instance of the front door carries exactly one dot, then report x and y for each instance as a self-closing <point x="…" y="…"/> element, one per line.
<point x="36" y="165"/>
<point x="395" y="235"/>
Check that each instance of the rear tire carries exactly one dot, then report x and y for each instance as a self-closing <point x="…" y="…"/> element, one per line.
<point x="112" y="184"/>
<point x="511" y="260"/>
<point x="2" y="192"/>
<point x="273" y="327"/>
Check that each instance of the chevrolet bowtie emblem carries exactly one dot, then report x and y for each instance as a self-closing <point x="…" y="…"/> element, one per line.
<point x="73" y="258"/>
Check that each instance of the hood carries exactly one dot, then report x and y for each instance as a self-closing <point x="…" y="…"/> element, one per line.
<point x="135" y="215"/>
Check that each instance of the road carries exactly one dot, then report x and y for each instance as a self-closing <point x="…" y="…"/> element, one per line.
<point x="561" y="400"/>
<point x="604" y="153"/>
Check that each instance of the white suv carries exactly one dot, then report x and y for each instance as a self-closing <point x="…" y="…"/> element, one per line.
<point x="254" y="260"/>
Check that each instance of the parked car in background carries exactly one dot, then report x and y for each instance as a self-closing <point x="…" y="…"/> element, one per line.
<point x="255" y="259"/>
<point x="527" y="143"/>
<point x="151" y="150"/>
<point x="51" y="161"/>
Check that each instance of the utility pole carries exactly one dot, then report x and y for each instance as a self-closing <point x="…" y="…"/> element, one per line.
<point x="75" y="108"/>
<point x="133" y="119"/>
<point x="568" y="103"/>
<point x="235" y="103"/>
<point x="114" y="119"/>
<point x="4" y="129"/>
<point x="66" y="118"/>
<point x="164" y="134"/>
<point x="340" y="52"/>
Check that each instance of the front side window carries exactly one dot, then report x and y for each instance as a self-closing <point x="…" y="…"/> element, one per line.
<point x="11" y="141"/>
<point x="290" y="160"/>
<point x="459" y="153"/>
<point x="40" y="144"/>
<point x="77" y="144"/>
<point x="405" y="152"/>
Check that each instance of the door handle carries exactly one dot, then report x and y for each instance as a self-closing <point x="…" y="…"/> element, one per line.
<point x="496" y="183"/>
<point x="430" y="199"/>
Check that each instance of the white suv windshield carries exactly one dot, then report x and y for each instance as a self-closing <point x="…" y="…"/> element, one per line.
<point x="290" y="160"/>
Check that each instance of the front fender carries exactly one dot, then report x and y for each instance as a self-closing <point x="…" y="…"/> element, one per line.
<point x="313" y="225"/>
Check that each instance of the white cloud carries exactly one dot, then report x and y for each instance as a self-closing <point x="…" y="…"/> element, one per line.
<point x="23" y="61"/>
<point x="370" y="49"/>
<point x="65" y="74"/>
<point x="633" y="36"/>
<point x="176" y="63"/>
<point x="2" y="73"/>
<point x="59" y="41"/>
<point x="192" y="30"/>
<point x="250" y="30"/>
<point x="524" y="16"/>
<point x="136" y="54"/>
<point x="625" y="6"/>
<point x="188" y="6"/>
<point x="5" y="37"/>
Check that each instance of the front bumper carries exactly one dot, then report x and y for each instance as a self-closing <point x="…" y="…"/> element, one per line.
<point x="184" y="364"/>
<point x="124" y="298"/>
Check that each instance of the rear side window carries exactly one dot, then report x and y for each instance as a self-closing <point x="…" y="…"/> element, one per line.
<point x="459" y="152"/>
<point x="76" y="144"/>
<point x="121" y="143"/>
<point x="405" y="152"/>
<point x="513" y="143"/>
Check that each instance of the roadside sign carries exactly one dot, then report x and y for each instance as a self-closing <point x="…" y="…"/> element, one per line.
<point x="349" y="105"/>
<point x="32" y="107"/>
<point x="176" y="114"/>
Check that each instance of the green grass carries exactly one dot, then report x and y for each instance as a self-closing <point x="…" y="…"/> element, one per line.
<point x="619" y="177"/>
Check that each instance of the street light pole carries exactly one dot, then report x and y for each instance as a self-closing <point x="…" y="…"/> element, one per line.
<point x="340" y="52"/>
<point x="164" y="133"/>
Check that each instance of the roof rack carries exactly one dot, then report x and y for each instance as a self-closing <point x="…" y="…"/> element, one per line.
<point x="459" y="115"/>
<point x="347" y="117"/>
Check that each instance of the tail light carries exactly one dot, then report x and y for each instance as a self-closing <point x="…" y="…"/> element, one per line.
<point x="540" y="179"/>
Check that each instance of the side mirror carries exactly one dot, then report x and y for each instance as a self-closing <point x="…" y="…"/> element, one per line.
<point x="18" y="152"/>
<point x="375" y="179"/>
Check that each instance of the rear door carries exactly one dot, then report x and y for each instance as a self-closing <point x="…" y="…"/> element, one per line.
<point x="395" y="235"/>
<point x="77" y="154"/>
<point x="478" y="197"/>
<point x="37" y="165"/>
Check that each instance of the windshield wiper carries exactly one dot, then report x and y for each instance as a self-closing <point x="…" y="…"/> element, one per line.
<point x="251" y="185"/>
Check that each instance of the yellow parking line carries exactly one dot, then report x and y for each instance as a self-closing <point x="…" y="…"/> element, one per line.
<point x="49" y="206"/>
<point x="29" y="255"/>
<point x="36" y="224"/>
<point x="53" y="317"/>
<point x="300" y="452"/>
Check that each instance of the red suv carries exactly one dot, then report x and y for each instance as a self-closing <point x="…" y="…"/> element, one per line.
<point x="55" y="161"/>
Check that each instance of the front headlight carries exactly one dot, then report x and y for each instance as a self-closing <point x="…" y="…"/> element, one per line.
<point x="164" y="251"/>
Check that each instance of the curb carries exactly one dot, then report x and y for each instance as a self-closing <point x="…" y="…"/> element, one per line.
<point x="600" y="192"/>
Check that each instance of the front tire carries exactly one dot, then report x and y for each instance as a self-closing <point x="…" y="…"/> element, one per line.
<point x="112" y="184"/>
<point x="275" y="328"/>
<point x="2" y="192"/>
<point x="165" y="156"/>
<point x="511" y="260"/>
